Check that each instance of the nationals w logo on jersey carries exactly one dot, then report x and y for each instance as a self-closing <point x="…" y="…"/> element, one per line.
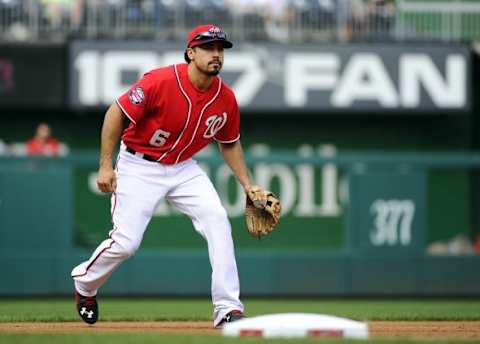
<point x="214" y="124"/>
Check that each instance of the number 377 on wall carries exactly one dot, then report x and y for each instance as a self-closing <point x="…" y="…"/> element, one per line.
<point x="392" y="222"/>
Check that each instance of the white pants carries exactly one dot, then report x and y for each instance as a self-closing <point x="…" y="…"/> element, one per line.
<point x="141" y="186"/>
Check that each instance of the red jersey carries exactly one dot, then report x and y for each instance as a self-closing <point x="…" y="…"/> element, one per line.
<point x="51" y="147"/>
<point x="171" y="120"/>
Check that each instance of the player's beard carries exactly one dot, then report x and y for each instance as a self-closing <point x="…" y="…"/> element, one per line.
<point x="214" y="71"/>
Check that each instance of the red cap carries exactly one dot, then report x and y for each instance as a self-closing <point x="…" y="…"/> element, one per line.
<point x="207" y="33"/>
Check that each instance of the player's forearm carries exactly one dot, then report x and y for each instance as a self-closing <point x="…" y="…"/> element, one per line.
<point x="233" y="156"/>
<point x="111" y="132"/>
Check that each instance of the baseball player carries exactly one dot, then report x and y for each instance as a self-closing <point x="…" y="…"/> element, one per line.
<point x="173" y="113"/>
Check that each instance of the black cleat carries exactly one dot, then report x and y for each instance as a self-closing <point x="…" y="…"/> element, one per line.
<point x="231" y="317"/>
<point x="87" y="308"/>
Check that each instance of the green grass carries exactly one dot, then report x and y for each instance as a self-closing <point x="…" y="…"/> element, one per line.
<point x="173" y="339"/>
<point x="169" y="339"/>
<point x="118" y="309"/>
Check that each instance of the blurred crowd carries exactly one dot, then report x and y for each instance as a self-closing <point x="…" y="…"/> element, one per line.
<point x="276" y="20"/>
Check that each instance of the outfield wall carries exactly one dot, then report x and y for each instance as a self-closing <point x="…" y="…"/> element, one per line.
<point x="335" y="243"/>
<point x="354" y="223"/>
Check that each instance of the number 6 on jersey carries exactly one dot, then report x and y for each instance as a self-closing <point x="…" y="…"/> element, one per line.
<point x="159" y="138"/>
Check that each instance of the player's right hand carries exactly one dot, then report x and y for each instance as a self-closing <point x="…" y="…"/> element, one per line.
<point x="106" y="180"/>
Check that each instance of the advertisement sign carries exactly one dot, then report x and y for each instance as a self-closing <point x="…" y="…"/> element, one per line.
<point x="390" y="210"/>
<point x="32" y="75"/>
<point x="288" y="78"/>
<point x="312" y="206"/>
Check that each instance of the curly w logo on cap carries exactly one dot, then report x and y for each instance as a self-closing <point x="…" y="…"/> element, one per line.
<point x="208" y="33"/>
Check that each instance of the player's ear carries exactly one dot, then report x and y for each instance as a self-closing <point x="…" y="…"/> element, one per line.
<point x="190" y="53"/>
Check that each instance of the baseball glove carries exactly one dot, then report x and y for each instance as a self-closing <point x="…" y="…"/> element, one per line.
<point x="262" y="211"/>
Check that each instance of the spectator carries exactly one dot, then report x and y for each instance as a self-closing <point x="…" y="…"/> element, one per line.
<point x="77" y="15"/>
<point x="43" y="143"/>
<point x="381" y="15"/>
<point x="57" y="14"/>
<point x="278" y="19"/>
<point x="352" y="20"/>
<point x="249" y="16"/>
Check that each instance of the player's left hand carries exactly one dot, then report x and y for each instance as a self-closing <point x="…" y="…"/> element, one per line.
<point x="262" y="211"/>
<point x="257" y="195"/>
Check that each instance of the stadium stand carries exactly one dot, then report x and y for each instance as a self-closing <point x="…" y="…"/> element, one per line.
<point x="284" y="21"/>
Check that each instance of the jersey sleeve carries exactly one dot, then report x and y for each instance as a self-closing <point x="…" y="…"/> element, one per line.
<point x="134" y="103"/>
<point x="230" y="132"/>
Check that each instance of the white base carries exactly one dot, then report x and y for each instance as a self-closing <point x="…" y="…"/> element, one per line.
<point x="296" y="325"/>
